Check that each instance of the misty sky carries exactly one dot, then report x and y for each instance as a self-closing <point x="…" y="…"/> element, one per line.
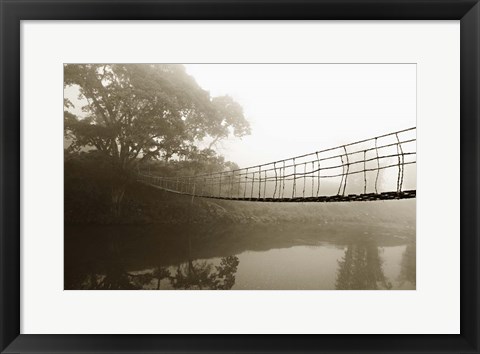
<point x="301" y="108"/>
<point x="295" y="109"/>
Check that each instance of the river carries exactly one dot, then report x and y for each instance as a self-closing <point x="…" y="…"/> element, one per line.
<point x="295" y="256"/>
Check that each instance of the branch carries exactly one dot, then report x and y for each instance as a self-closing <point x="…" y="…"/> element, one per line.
<point x="214" y="142"/>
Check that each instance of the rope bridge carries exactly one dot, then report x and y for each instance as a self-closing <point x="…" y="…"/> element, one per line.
<point x="372" y="169"/>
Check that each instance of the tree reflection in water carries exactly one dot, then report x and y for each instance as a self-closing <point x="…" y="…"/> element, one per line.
<point x="115" y="278"/>
<point x="171" y="257"/>
<point x="361" y="268"/>
<point x="201" y="275"/>
<point x="190" y="275"/>
<point x="408" y="265"/>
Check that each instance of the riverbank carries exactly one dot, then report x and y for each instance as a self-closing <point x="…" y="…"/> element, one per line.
<point x="143" y="205"/>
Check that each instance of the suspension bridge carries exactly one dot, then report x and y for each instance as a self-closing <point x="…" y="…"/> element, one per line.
<point x="378" y="168"/>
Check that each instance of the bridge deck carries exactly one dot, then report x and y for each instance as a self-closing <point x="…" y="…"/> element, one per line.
<point x="320" y="199"/>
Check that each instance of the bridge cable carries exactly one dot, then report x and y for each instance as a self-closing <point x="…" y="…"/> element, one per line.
<point x="318" y="185"/>
<point x="265" y="184"/>
<point x="253" y="182"/>
<point x="313" y="179"/>
<point x="365" y="171"/>
<point x="275" y="169"/>
<point x="245" y="189"/>
<point x="304" y="178"/>
<point x="399" y="168"/>
<point x="294" y="178"/>
<point x="341" y="180"/>
<point x="348" y="168"/>
<point x="378" y="166"/>
<point x="259" y="181"/>
<point x="403" y="162"/>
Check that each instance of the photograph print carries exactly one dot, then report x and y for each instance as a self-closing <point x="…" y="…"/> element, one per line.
<point x="239" y="176"/>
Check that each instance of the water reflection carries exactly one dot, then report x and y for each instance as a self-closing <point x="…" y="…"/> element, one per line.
<point x="201" y="275"/>
<point x="240" y="257"/>
<point x="361" y="268"/>
<point x="189" y="275"/>
<point x="408" y="273"/>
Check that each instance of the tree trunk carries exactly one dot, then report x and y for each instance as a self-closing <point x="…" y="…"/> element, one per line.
<point x="118" y="191"/>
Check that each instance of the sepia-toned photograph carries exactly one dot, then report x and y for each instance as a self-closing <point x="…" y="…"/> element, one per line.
<point x="239" y="176"/>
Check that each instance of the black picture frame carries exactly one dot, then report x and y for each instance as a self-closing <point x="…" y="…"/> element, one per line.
<point x="12" y="12"/>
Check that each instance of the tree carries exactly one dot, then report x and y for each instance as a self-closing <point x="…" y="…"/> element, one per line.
<point x="139" y="112"/>
<point x="229" y="117"/>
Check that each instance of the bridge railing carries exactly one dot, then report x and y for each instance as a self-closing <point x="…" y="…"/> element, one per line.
<point x="383" y="167"/>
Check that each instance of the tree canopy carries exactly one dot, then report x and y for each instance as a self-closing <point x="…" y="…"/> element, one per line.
<point x="137" y="112"/>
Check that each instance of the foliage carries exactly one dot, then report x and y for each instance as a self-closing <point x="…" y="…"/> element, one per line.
<point x="137" y="112"/>
<point x="196" y="161"/>
<point x="88" y="181"/>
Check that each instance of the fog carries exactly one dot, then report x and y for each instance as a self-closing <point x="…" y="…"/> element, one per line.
<point x="322" y="198"/>
<point x="295" y="109"/>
